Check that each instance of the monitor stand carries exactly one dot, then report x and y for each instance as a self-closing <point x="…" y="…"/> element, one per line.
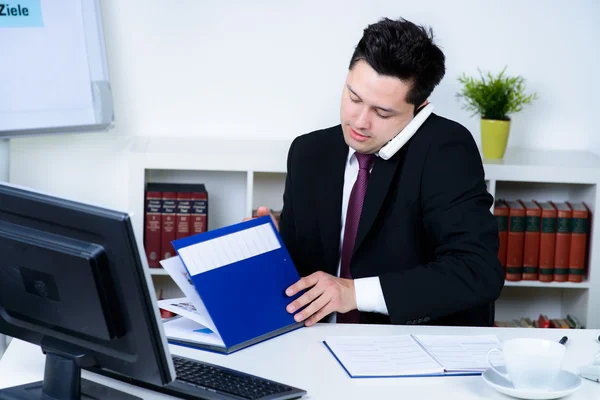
<point x="62" y="378"/>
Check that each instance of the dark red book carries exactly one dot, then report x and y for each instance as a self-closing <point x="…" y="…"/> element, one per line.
<point x="547" y="242"/>
<point x="199" y="198"/>
<point x="169" y="210"/>
<point x="501" y="214"/>
<point x="165" y="314"/>
<point x="152" y="227"/>
<point x="579" y="238"/>
<point x="516" y="241"/>
<point x="183" y="220"/>
<point x="531" y="247"/>
<point x="543" y="321"/>
<point x="563" y="241"/>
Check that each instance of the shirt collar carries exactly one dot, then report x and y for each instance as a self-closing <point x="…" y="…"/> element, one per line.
<point x="351" y="160"/>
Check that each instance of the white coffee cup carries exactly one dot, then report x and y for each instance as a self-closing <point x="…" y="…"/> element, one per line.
<point x="532" y="364"/>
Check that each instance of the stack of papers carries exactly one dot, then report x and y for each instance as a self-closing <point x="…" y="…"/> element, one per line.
<point x="196" y="325"/>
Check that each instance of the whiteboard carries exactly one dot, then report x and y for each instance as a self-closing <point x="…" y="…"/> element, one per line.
<point x="54" y="74"/>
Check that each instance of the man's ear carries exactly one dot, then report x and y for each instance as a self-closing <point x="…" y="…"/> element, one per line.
<point x="417" y="109"/>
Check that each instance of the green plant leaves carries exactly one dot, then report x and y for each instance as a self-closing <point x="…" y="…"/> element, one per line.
<point x="494" y="97"/>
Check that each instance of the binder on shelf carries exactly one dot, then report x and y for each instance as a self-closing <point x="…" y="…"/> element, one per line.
<point x="515" y="241"/>
<point x="152" y="226"/>
<point x="199" y="210"/>
<point x="184" y="207"/>
<point x="501" y="214"/>
<point x="531" y="246"/>
<point x="169" y="215"/>
<point x="563" y="241"/>
<point x="579" y="241"/>
<point x="234" y="279"/>
<point x="547" y="242"/>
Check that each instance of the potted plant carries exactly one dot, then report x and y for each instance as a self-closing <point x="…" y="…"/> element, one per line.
<point x="494" y="98"/>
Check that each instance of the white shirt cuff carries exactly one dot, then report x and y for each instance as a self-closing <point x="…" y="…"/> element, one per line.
<point x="369" y="296"/>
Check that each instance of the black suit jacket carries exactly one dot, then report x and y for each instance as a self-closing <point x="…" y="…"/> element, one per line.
<point x="426" y="229"/>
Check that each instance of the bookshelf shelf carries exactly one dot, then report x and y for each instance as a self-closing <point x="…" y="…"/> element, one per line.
<point x="549" y="285"/>
<point x="158" y="271"/>
<point x="242" y="174"/>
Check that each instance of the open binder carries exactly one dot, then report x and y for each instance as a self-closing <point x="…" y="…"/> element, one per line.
<point x="234" y="279"/>
<point x="411" y="355"/>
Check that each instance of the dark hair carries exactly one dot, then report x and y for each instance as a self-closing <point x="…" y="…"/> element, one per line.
<point x="403" y="50"/>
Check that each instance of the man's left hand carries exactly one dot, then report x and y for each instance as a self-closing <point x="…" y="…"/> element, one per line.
<point x="327" y="294"/>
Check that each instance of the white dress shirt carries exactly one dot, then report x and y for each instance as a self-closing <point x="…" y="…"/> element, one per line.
<point x="369" y="296"/>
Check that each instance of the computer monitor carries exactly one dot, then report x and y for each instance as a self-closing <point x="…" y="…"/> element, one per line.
<point x="73" y="282"/>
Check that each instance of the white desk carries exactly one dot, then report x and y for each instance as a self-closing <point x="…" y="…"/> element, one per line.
<point x="300" y="359"/>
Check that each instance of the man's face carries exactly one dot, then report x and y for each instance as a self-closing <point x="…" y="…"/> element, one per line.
<point x="373" y="108"/>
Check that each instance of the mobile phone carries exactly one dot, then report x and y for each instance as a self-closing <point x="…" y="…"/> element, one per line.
<point x="396" y="143"/>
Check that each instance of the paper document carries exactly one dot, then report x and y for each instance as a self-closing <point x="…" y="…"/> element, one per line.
<point x="412" y="355"/>
<point x="179" y="274"/>
<point x="190" y="332"/>
<point x="461" y="353"/>
<point x="382" y="355"/>
<point x="184" y="308"/>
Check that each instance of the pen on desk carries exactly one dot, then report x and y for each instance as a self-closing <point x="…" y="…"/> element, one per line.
<point x="563" y="340"/>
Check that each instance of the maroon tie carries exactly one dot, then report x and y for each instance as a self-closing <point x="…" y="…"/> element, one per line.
<point x="355" y="204"/>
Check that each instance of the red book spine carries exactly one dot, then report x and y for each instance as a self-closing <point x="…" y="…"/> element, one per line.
<point x="563" y="241"/>
<point x="199" y="212"/>
<point x="543" y="321"/>
<point x="169" y="208"/>
<point x="184" y="207"/>
<point x="515" y="242"/>
<point x="152" y="228"/>
<point x="579" y="238"/>
<point x="164" y="313"/>
<point x="531" y="247"/>
<point x="501" y="213"/>
<point x="547" y="242"/>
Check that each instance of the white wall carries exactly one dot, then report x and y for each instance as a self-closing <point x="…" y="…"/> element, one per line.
<point x="275" y="69"/>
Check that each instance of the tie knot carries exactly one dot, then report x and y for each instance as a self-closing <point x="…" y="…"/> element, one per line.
<point x="365" y="160"/>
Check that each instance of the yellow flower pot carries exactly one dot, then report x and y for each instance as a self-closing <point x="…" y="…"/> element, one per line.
<point x="494" y="136"/>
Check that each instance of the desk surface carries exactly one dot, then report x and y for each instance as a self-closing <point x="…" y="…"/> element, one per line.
<point x="300" y="359"/>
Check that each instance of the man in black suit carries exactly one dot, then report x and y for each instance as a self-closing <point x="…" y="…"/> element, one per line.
<point x="408" y="240"/>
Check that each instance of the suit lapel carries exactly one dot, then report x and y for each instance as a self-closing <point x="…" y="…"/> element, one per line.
<point x="380" y="180"/>
<point x="331" y="185"/>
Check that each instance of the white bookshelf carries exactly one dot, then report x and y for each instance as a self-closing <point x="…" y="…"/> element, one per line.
<point x="240" y="175"/>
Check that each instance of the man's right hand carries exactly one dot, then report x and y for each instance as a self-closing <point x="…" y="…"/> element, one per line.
<point x="263" y="211"/>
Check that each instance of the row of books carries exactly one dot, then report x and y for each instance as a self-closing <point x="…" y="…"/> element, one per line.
<point x="173" y="211"/>
<point x="545" y="241"/>
<point x="570" y="322"/>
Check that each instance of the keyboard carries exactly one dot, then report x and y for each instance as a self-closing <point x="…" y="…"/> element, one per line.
<point x="200" y="380"/>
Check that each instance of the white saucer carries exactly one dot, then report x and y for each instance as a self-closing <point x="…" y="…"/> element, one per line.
<point x="566" y="383"/>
